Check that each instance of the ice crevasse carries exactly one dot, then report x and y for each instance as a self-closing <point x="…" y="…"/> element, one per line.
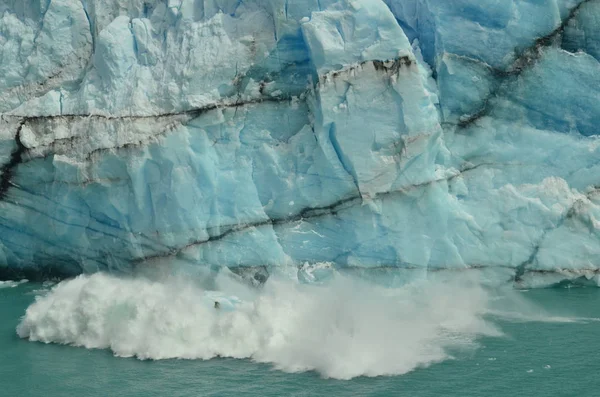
<point x="393" y="138"/>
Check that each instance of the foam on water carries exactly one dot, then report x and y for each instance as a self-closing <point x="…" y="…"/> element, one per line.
<point x="345" y="329"/>
<point x="11" y="283"/>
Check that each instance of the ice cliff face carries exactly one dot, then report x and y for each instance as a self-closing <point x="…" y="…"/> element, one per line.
<point x="401" y="136"/>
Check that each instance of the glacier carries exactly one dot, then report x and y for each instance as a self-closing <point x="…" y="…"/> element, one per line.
<point x="396" y="139"/>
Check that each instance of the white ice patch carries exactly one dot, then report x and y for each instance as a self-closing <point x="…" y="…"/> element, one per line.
<point x="345" y="329"/>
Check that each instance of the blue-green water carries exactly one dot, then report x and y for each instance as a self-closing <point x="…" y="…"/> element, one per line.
<point x="531" y="359"/>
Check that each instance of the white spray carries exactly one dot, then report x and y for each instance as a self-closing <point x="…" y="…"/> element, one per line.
<point x="345" y="329"/>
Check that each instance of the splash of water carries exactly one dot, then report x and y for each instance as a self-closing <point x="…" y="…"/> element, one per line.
<point x="344" y="329"/>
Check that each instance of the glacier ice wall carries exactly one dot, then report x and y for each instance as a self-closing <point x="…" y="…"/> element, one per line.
<point x="390" y="137"/>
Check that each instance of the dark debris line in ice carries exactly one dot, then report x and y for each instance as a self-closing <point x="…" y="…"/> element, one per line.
<point x="571" y="213"/>
<point x="20" y="155"/>
<point x="525" y="60"/>
<point x="8" y="169"/>
<point x="309" y="213"/>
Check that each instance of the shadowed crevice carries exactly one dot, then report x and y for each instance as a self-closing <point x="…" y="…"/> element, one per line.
<point x="36" y="274"/>
<point x="8" y="169"/>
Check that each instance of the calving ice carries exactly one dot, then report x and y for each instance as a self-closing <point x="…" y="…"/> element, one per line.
<point x="396" y="139"/>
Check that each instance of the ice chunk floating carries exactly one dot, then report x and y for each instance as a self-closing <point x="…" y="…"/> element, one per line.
<point x="391" y="138"/>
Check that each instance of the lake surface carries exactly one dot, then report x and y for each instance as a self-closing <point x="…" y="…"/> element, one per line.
<point x="557" y="354"/>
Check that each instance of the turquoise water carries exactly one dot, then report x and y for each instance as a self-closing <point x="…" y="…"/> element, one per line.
<point x="533" y="358"/>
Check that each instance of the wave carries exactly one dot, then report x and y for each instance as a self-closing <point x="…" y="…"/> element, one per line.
<point x="344" y="329"/>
